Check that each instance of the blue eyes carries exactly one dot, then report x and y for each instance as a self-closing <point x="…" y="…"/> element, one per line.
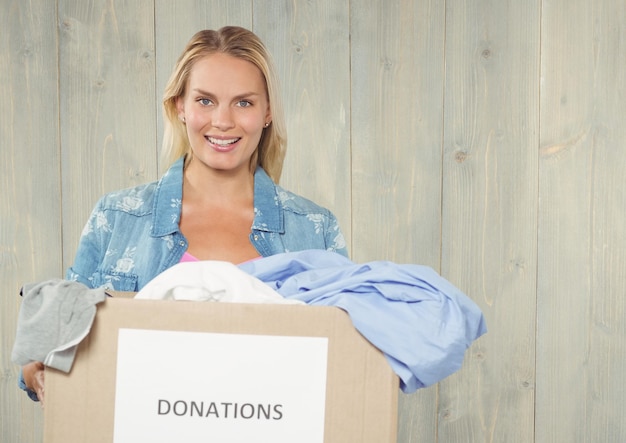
<point x="240" y="103"/>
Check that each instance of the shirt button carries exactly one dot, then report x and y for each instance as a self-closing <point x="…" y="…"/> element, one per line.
<point x="182" y="243"/>
<point x="256" y="237"/>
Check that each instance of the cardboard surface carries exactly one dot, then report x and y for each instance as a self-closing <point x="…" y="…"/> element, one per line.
<point x="361" y="388"/>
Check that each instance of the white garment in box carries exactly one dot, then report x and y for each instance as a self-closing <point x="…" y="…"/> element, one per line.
<point x="210" y="280"/>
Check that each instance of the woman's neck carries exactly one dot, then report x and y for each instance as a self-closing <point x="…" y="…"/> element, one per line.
<point x="212" y="186"/>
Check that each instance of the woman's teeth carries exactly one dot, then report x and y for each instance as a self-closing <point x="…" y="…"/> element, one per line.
<point x="222" y="142"/>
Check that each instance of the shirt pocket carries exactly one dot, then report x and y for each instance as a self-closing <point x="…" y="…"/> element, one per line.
<point x="117" y="281"/>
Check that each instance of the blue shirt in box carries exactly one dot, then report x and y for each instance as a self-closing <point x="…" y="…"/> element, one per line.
<point x="421" y="322"/>
<point x="133" y="235"/>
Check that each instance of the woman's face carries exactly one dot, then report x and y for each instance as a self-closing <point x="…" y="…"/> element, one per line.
<point x="225" y="110"/>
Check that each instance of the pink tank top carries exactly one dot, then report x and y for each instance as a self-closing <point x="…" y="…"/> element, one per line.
<point x="188" y="257"/>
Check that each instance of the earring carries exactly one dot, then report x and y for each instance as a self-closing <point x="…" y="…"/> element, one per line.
<point x="182" y="119"/>
<point x="266" y="124"/>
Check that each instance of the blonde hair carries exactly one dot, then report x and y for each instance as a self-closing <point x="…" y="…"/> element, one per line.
<point x="243" y="44"/>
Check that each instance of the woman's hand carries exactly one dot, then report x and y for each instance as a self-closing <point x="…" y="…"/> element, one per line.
<point x="34" y="379"/>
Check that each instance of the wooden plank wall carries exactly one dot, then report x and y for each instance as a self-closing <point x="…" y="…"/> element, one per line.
<point x="581" y="303"/>
<point x="480" y="137"/>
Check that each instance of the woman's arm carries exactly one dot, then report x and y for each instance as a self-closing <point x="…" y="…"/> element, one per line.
<point x="89" y="252"/>
<point x="333" y="237"/>
<point x="31" y="377"/>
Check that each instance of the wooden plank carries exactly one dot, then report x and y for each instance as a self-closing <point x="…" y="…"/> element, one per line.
<point x="108" y="118"/>
<point x="581" y="369"/>
<point x="310" y="44"/>
<point x="30" y="218"/>
<point x="490" y="213"/>
<point x="397" y="94"/>
<point x="177" y="21"/>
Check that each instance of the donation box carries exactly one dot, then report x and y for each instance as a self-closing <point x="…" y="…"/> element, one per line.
<point x="153" y="371"/>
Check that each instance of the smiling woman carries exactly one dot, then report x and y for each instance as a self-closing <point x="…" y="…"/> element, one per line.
<point x="224" y="145"/>
<point x="240" y="45"/>
<point x="225" y="109"/>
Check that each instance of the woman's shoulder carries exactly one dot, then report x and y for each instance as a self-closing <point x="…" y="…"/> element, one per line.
<point x="268" y="194"/>
<point x="137" y="200"/>
<point x="293" y="202"/>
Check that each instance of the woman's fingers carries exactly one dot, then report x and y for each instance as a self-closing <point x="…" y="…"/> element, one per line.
<point x="34" y="378"/>
<point x="39" y="384"/>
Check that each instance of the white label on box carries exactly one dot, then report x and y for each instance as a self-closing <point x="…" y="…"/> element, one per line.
<point x="187" y="387"/>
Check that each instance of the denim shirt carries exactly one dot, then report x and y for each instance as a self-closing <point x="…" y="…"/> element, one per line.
<point x="133" y="235"/>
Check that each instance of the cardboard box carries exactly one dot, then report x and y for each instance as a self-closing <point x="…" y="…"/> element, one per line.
<point x="359" y="402"/>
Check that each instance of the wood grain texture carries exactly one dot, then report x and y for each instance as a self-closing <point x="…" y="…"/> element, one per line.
<point x="30" y="216"/>
<point x="581" y="342"/>
<point x="482" y="138"/>
<point x="108" y="110"/>
<point x="310" y="44"/>
<point x="397" y="94"/>
<point x="490" y="213"/>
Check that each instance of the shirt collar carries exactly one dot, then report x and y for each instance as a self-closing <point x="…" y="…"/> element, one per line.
<point x="168" y="199"/>
<point x="169" y="194"/>
<point x="268" y="215"/>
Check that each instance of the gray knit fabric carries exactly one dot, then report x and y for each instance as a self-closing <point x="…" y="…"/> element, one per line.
<point x="54" y="317"/>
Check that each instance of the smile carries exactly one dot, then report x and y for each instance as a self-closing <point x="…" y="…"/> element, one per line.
<point x="222" y="142"/>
